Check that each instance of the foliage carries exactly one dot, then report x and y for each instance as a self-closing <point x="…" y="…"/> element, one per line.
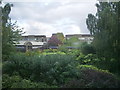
<point x="91" y="22"/>
<point x="20" y="63"/>
<point x="52" y="51"/>
<point x="100" y="62"/>
<point x="43" y="68"/>
<point x="87" y="48"/>
<point x="10" y="32"/>
<point x="74" y="52"/>
<point x="87" y="59"/>
<point x="104" y="27"/>
<point x="63" y="48"/>
<point x="92" y="77"/>
<point x="73" y="41"/>
<point x="16" y="81"/>
<point x="60" y="36"/>
<point x="54" y="70"/>
<point x="54" y="41"/>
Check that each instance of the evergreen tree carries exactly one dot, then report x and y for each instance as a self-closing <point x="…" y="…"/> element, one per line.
<point x="11" y="33"/>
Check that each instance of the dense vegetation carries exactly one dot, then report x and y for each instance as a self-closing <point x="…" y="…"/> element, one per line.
<point x="55" y="69"/>
<point x="11" y="33"/>
<point x="93" y="65"/>
<point x="105" y="29"/>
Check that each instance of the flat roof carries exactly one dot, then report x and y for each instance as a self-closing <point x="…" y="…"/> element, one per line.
<point x="78" y="35"/>
<point x="34" y="35"/>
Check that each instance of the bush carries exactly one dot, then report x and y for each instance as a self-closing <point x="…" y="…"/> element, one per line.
<point x="42" y="68"/>
<point x="63" y="48"/>
<point x="89" y="59"/>
<point x="20" y="63"/>
<point x="100" y="62"/>
<point x="18" y="82"/>
<point x="7" y="81"/>
<point x="55" y="70"/>
<point x="87" y="48"/>
<point x="74" y="52"/>
<point x="92" y="77"/>
<point x="50" y="67"/>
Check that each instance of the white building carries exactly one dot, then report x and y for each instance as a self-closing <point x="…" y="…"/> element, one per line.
<point x="32" y="42"/>
<point x="82" y="37"/>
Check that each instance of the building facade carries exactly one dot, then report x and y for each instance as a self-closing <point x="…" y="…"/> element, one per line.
<point x="82" y="37"/>
<point x="31" y="42"/>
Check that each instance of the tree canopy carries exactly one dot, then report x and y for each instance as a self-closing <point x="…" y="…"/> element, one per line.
<point x="11" y="33"/>
<point x="104" y="28"/>
<point x="54" y="41"/>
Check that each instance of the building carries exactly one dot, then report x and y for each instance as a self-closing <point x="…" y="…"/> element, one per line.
<point x="31" y="42"/>
<point x="82" y="37"/>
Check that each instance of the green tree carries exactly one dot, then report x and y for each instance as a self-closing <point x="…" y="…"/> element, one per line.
<point x="11" y="33"/>
<point x="91" y="22"/>
<point x="60" y="36"/>
<point x="73" y="41"/>
<point x="105" y="29"/>
<point x="87" y="48"/>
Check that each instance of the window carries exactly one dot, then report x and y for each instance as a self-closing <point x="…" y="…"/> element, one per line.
<point x="42" y="39"/>
<point x="26" y="38"/>
<point x="36" y="39"/>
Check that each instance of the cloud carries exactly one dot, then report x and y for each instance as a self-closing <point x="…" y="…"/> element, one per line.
<point x="52" y="17"/>
<point x="40" y="28"/>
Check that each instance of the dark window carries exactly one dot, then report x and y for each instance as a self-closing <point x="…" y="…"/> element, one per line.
<point x="42" y="39"/>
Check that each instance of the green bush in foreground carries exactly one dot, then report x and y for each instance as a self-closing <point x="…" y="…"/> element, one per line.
<point x="103" y="63"/>
<point x="18" y="82"/>
<point x="54" y="70"/>
<point x="92" y="77"/>
<point x="42" y="68"/>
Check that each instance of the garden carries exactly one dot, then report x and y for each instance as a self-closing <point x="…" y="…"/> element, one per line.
<point x="55" y="69"/>
<point x="94" y="65"/>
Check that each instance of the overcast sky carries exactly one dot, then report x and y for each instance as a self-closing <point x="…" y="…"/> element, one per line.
<point x="45" y="18"/>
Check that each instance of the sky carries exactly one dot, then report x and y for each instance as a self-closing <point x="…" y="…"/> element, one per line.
<point x="47" y="17"/>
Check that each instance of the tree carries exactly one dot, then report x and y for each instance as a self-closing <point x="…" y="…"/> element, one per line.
<point x="105" y="29"/>
<point x="87" y="48"/>
<point x="11" y="33"/>
<point x="73" y="41"/>
<point x="60" y="36"/>
<point x="54" y="41"/>
<point x="91" y="22"/>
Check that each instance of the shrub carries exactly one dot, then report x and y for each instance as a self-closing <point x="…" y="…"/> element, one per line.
<point x="49" y="68"/>
<point x="18" y="63"/>
<point x="89" y="59"/>
<point x="92" y="77"/>
<point x="55" y="70"/>
<point x="63" y="48"/>
<point x="43" y="68"/>
<point x="7" y="81"/>
<point x="87" y="48"/>
<point x="18" y="82"/>
<point x="74" y="52"/>
<point x="100" y="62"/>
